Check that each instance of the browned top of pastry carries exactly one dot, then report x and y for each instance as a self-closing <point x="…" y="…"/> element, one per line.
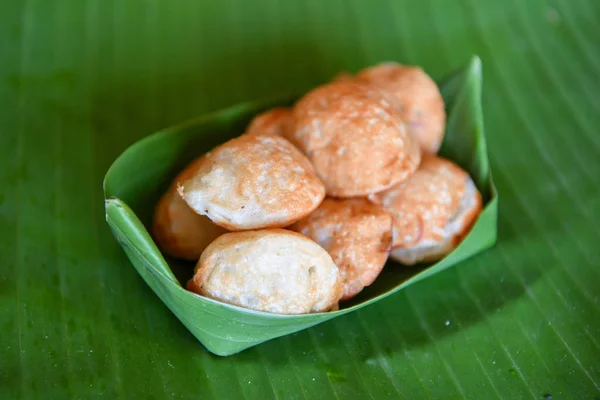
<point x="358" y="236"/>
<point x="252" y="182"/>
<point x="425" y="205"/>
<point x="275" y="121"/>
<point x="355" y="138"/>
<point x="420" y="101"/>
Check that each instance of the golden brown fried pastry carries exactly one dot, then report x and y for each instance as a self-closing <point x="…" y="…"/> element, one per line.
<point x="353" y="135"/>
<point x="433" y="210"/>
<point x="358" y="236"/>
<point x="178" y="230"/>
<point x="421" y="103"/>
<point x="272" y="270"/>
<point x="275" y="121"/>
<point x="253" y="182"/>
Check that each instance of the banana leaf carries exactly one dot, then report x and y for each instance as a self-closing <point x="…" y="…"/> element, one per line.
<point x="82" y="80"/>
<point x="226" y="329"/>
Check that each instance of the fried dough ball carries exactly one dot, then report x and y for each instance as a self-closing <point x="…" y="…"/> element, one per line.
<point x="421" y="103"/>
<point x="352" y="133"/>
<point x="177" y="229"/>
<point x="271" y="270"/>
<point x="358" y="236"/>
<point x="253" y="182"/>
<point x="433" y="210"/>
<point x="275" y="121"/>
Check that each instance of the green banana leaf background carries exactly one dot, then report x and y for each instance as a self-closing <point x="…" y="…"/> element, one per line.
<point x="81" y="80"/>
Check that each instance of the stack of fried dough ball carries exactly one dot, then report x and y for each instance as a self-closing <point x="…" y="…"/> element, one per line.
<point x="303" y="210"/>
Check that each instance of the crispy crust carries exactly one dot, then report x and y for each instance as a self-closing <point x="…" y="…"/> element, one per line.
<point x="358" y="236"/>
<point x="433" y="210"/>
<point x="352" y="133"/>
<point x="421" y="103"/>
<point x="271" y="270"/>
<point x="253" y="182"/>
<point x="177" y="229"/>
<point x="275" y="121"/>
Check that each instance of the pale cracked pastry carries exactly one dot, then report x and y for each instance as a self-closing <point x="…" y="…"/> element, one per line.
<point x="358" y="236"/>
<point x="352" y="133"/>
<point x="177" y="229"/>
<point x="420" y="102"/>
<point x="275" y="121"/>
<point x="253" y="182"/>
<point x="271" y="270"/>
<point x="433" y="210"/>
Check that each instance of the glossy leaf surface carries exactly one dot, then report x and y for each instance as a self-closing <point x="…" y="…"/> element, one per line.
<point x="82" y="80"/>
